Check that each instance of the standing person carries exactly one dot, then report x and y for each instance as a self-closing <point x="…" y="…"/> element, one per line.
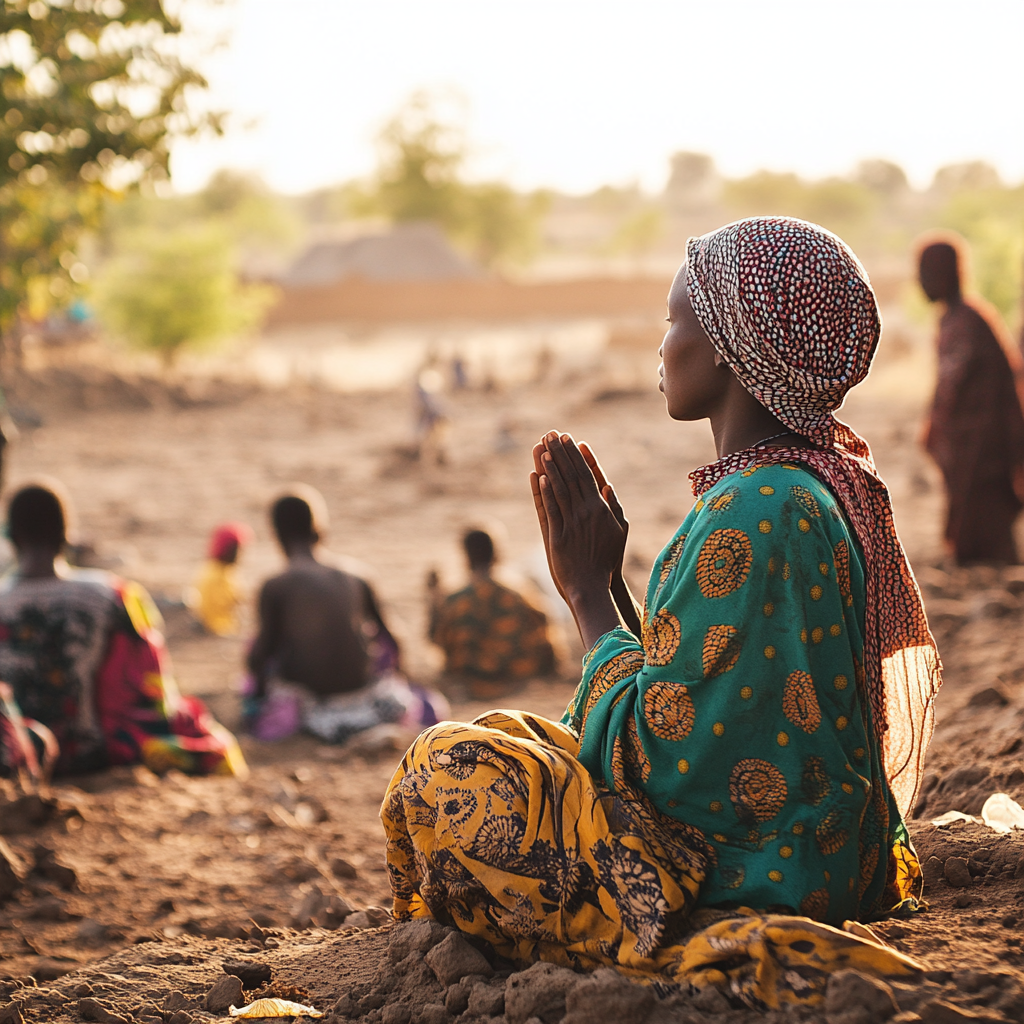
<point x="975" y="430"/>
<point x="323" y="659"/>
<point x="491" y="635"/>
<point x="83" y="653"/>
<point x="732" y="775"/>
<point x="216" y="596"/>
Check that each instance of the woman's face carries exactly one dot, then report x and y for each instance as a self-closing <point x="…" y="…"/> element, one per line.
<point x="693" y="378"/>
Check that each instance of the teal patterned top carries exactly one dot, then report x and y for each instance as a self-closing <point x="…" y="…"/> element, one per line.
<point x="741" y="709"/>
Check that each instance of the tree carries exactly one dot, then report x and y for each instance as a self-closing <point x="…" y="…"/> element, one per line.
<point x="420" y="178"/>
<point x="92" y="92"/>
<point x="175" y="290"/>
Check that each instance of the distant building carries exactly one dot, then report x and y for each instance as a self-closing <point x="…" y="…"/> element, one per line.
<point x="409" y="252"/>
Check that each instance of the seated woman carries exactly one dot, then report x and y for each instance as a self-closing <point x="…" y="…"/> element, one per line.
<point x="493" y="637"/>
<point x="83" y="655"/>
<point x="725" y="793"/>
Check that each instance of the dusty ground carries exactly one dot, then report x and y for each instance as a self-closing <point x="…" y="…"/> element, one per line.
<point x="187" y="867"/>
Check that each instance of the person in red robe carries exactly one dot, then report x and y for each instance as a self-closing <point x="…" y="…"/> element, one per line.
<point x="975" y="431"/>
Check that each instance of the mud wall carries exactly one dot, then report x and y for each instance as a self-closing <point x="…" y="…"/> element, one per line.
<point x="381" y="302"/>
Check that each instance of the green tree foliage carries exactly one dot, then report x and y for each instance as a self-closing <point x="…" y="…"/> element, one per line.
<point x="420" y="177"/>
<point x="175" y="290"/>
<point x="838" y="204"/>
<point x="991" y="219"/>
<point x="638" y="233"/>
<point x="92" y="93"/>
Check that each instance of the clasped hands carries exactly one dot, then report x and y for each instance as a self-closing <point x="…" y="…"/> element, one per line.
<point x="584" y="531"/>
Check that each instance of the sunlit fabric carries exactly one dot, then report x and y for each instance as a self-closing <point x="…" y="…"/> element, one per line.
<point x="789" y="308"/>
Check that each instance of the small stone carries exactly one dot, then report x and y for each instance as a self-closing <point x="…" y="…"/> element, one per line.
<point x="342" y="868"/>
<point x="251" y="973"/>
<point x="605" y="997"/>
<point x="314" y="903"/>
<point x="180" y="1017"/>
<point x="432" y="1013"/>
<point x="396" y="1013"/>
<point x="346" y="1006"/>
<point x="989" y="696"/>
<point x="49" y="909"/>
<point x="933" y="870"/>
<point x="540" y="991"/>
<point x="336" y="910"/>
<point x="11" y="1014"/>
<point x="454" y="958"/>
<point x="486" y="1000"/>
<point x="175" y="1000"/>
<point x="456" y="999"/>
<point x="83" y="989"/>
<point x="46" y="969"/>
<point x="52" y="870"/>
<point x="418" y="936"/>
<point x="856" y="998"/>
<point x="711" y="1000"/>
<point x="360" y="919"/>
<point x="225" y="992"/>
<point x="92" y="1009"/>
<point x="963" y="900"/>
<point x="956" y="872"/>
<point x="90" y="931"/>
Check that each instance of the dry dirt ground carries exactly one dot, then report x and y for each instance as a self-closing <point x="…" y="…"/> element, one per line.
<point x="170" y="877"/>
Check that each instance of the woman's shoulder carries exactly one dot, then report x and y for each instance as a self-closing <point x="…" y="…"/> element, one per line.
<point x="768" y="485"/>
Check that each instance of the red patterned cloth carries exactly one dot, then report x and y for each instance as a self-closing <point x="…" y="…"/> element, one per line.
<point x="791" y="311"/>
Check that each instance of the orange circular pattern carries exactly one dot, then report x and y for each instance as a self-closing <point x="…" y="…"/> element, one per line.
<point x="806" y="500"/>
<point x="800" y="702"/>
<point x="815" y="783"/>
<point x="613" y="671"/>
<point x="661" y="638"/>
<point x="815" y="905"/>
<point x="638" y="765"/>
<point x="841" y="556"/>
<point x="721" y="650"/>
<point x="868" y="867"/>
<point x="672" y="558"/>
<point x="668" y="710"/>
<point x="757" y="789"/>
<point x="724" y="562"/>
<point x="830" y="834"/>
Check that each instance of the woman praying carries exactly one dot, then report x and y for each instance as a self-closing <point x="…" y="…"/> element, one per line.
<point x="727" y="789"/>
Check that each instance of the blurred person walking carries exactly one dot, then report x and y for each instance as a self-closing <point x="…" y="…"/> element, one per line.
<point x="975" y="431"/>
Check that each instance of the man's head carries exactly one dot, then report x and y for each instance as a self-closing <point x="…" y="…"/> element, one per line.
<point x="299" y="517"/>
<point x="939" y="271"/>
<point x="479" y="549"/>
<point x="37" y="518"/>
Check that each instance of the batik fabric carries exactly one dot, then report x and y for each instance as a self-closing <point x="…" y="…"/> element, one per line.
<point x="84" y="655"/>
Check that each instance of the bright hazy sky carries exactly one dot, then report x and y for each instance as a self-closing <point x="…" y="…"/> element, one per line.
<point x="573" y="94"/>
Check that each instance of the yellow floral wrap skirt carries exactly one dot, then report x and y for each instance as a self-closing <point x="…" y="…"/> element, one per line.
<point x="495" y="827"/>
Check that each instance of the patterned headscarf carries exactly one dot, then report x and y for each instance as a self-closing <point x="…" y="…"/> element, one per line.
<point x="789" y="308"/>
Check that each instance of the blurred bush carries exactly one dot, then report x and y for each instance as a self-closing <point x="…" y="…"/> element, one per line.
<point x="170" y="291"/>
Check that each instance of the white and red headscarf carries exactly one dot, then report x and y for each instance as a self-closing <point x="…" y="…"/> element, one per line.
<point x="790" y="310"/>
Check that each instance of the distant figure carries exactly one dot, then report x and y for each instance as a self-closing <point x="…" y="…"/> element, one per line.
<point x="83" y="654"/>
<point x="431" y="420"/>
<point x="216" y="596"/>
<point x="324" y="660"/>
<point x="976" y="428"/>
<point x="492" y="636"/>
